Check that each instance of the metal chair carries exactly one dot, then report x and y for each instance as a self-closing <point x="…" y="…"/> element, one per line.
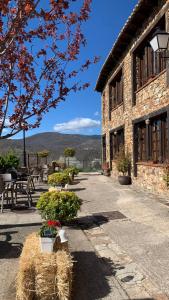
<point x="7" y="179"/>
<point x="2" y="193"/>
<point x="24" y="187"/>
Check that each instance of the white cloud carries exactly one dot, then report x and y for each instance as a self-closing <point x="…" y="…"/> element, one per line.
<point x="96" y="114"/>
<point x="77" y="124"/>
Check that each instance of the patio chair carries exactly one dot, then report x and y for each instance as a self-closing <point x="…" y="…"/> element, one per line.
<point x="2" y="193"/>
<point x="24" y="187"/>
<point x="7" y="179"/>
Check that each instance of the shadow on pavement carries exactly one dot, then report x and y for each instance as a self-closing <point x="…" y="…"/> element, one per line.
<point x="91" y="272"/>
<point x="9" y="249"/>
<point x="6" y="226"/>
<point x="77" y="190"/>
<point x="87" y="222"/>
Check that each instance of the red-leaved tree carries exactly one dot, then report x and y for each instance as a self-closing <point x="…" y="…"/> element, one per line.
<point x="40" y="43"/>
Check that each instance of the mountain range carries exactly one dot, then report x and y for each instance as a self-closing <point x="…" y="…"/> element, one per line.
<point x="87" y="147"/>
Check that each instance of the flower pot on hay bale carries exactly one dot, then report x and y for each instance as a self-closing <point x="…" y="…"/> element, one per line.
<point x="47" y="244"/>
<point x="44" y="276"/>
<point x="48" y="233"/>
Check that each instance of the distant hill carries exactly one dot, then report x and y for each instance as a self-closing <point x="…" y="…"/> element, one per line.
<point x="87" y="147"/>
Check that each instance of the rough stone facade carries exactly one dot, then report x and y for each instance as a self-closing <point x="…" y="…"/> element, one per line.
<point x="151" y="97"/>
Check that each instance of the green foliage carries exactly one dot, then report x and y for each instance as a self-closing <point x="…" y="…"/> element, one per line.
<point x="11" y="160"/>
<point x="62" y="206"/>
<point x="8" y="161"/>
<point x="166" y="175"/>
<point x="2" y="162"/>
<point x="123" y="162"/>
<point x="72" y="171"/>
<point x="43" y="153"/>
<point x="57" y="179"/>
<point x="69" y="152"/>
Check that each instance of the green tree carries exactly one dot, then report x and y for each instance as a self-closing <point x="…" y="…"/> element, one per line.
<point x="69" y="152"/>
<point x="43" y="154"/>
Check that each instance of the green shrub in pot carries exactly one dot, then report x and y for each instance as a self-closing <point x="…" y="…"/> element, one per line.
<point x="58" y="179"/>
<point x="123" y="165"/>
<point x="62" y="206"/>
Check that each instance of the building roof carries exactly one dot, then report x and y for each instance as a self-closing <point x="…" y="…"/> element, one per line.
<point x="140" y="13"/>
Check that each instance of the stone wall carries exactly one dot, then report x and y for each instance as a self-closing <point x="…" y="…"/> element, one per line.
<point x="153" y="96"/>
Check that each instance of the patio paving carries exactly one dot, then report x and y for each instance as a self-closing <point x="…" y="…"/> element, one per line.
<point x="119" y="242"/>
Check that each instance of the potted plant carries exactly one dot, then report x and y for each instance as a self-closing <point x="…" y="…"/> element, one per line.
<point x="72" y="171"/>
<point x="106" y="169"/>
<point x="48" y="233"/>
<point x="166" y="175"/>
<point x="62" y="206"/>
<point x="58" y="179"/>
<point x="123" y="164"/>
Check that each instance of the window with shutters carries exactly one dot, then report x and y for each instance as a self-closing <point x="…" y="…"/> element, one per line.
<point x="116" y="91"/>
<point x="141" y="141"/>
<point x="152" y="140"/>
<point x="116" y="143"/>
<point x="148" y="64"/>
<point x="158" y="139"/>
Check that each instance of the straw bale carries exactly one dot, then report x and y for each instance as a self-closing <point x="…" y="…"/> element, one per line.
<point x="44" y="276"/>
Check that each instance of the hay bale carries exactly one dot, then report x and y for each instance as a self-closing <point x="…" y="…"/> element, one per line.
<point x="44" y="276"/>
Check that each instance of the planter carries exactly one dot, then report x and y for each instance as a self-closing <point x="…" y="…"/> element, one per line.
<point x="47" y="244"/>
<point x="124" y="180"/>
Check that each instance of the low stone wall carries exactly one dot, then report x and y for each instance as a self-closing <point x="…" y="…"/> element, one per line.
<point x="149" y="177"/>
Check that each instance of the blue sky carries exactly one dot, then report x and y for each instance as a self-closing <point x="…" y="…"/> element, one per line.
<point x="81" y="113"/>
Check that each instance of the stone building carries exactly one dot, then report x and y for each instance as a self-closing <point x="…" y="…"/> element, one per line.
<point x="134" y="84"/>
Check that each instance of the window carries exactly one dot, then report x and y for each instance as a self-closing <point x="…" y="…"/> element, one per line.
<point x="104" y="148"/>
<point x="148" y="63"/>
<point x="158" y="138"/>
<point x="141" y="135"/>
<point x="116" y="91"/>
<point x="152" y="140"/>
<point x="116" y="143"/>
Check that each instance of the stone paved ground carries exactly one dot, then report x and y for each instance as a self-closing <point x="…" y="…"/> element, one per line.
<point x="119" y="242"/>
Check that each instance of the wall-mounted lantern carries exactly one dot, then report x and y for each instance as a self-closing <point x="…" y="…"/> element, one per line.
<point x="160" y="41"/>
<point x="147" y="121"/>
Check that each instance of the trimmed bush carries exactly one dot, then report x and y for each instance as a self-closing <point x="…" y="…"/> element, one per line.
<point x="72" y="170"/>
<point x="58" y="179"/>
<point x="62" y="206"/>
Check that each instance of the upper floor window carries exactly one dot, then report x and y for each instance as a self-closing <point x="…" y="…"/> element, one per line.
<point x="148" y="63"/>
<point x="116" y="143"/>
<point x="116" y="91"/>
